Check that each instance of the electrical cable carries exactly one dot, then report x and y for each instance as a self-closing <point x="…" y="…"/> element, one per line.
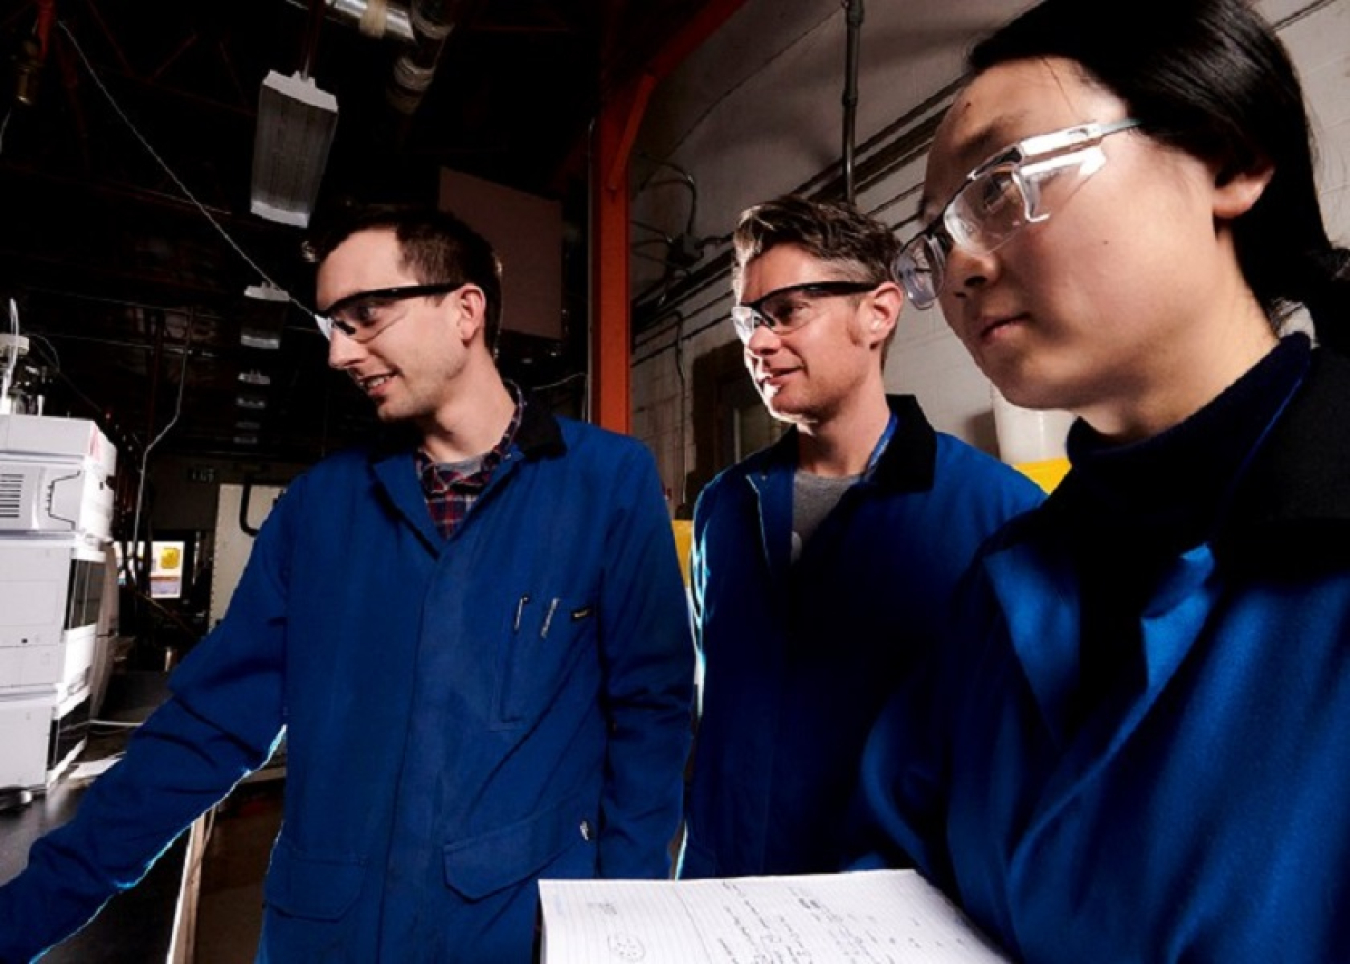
<point x="187" y="193"/>
<point x="562" y="381"/>
<point x="48" y="349"/>
<point x="145" y="455"/>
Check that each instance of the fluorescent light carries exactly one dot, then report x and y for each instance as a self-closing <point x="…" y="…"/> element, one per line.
<point x="264" y="292"/>
<point x="296" y="124"/>
<point x="263" y="317"/>
<point x="253" y="338"/>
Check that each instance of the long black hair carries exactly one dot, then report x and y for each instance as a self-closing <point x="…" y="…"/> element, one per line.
<point x="1210" y="77"/>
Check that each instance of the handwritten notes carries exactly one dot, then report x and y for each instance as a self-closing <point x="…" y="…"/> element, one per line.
<point x="868" y="917"/>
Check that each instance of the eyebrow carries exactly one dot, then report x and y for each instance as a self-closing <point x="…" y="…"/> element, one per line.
<point x="974" y="150"/>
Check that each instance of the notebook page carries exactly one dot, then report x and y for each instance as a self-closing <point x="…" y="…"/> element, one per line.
<point x="868" y="917"/>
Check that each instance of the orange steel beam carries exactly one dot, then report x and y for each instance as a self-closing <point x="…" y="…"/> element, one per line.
<point x="616" y="129"/>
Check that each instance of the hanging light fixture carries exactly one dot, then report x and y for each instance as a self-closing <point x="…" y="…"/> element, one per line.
<point x="296" y="125"/>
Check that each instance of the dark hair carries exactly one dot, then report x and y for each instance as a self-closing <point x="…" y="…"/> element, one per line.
<point x="437" y="247"/>
<point x="831" y="231"/>
<point x="1211" y="78"/>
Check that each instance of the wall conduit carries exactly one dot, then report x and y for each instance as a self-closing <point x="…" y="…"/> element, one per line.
<point x="854" y="19"/>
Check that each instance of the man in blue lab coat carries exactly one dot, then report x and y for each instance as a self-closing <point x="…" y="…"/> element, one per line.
<point x="824" y="565"/>
<point x="474" y="635"/>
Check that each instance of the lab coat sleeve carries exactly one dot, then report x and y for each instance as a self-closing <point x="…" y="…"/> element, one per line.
<point x="899" y="810"/>
<point x="222" y="721"/>
<point x="648" y="663"/>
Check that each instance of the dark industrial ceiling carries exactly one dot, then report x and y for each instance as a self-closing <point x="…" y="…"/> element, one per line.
<point x="133" y="298"/>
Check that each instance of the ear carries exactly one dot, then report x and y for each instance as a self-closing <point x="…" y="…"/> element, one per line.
<point x="1237" y="193"/>
<point x="472" y="305"/>
<point x="883" y="311"/>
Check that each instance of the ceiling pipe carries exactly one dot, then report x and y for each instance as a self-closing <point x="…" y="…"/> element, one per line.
<point x="32" y="55"/>
<point x="854" y="19"/>
<point x="313" y="26"/>
<point x="378" y="19"/>
<point x="432" y="21"/>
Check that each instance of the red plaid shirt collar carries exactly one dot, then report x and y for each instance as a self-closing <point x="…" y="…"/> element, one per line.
<point x="450" y="492"/>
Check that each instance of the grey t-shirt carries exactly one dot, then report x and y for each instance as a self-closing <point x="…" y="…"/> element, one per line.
<point x="813" y="496"/>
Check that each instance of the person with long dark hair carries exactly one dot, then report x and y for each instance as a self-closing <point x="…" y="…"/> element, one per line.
<point x="1135" y="748"/>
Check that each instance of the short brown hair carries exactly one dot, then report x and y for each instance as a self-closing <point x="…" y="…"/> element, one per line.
<point x="828" y="230"/>
<point x="832" y="231"/>
<point x="436" y="246"/>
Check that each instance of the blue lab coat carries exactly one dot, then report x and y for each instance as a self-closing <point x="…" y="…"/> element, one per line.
<point x="461" y="718"/>
<point x="800" y="657"/>
<point x="1200" y="817"/>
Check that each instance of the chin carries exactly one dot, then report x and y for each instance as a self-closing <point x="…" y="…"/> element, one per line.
<point x="388" y="413"/>
<point x="788" y="414"/>
<point x="1023" y="389"/>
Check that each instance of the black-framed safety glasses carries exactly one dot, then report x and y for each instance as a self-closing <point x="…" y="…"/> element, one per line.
<point x="364" y="315"/>
<point x="786" y="309"/>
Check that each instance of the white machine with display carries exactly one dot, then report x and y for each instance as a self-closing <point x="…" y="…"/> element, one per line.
<point x="55" y="529"/>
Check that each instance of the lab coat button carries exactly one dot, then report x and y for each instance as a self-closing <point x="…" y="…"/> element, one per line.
<point x="585" y="830"/>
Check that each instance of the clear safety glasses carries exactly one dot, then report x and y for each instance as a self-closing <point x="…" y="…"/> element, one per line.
<point x="784" y="310"/>
<point x="364" y="315"/>
<point x="998" y="199"/>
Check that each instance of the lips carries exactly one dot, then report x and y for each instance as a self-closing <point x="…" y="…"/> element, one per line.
<point x="987" y="327"/>
<point x="774" y="377"/>
<point x="371" y="384"/>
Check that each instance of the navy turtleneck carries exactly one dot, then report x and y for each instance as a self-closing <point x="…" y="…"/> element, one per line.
<point x="1131" y="509"/>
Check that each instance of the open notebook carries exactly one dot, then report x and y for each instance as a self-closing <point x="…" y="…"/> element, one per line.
<point x="890" y="916"/>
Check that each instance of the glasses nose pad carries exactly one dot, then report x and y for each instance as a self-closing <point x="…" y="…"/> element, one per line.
<point x="919" y="269"/>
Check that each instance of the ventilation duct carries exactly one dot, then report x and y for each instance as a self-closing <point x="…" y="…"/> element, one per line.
<point x="432" y="21"/>
<point x="378" y="19"/>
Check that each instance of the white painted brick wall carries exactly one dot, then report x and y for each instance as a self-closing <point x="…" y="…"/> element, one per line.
<point x="756" y="112"/>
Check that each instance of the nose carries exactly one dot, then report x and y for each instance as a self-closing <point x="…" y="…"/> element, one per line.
<point x="966" y="271"/>
<point x="343" y="352"/>
<point x="762" y="340"/>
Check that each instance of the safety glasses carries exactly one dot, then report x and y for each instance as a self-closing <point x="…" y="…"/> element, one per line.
<point x="998" y="199"/>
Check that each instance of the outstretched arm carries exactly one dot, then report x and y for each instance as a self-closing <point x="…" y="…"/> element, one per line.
<point x="221" y="722"/>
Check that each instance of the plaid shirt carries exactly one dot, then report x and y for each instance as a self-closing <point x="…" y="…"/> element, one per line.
<point x="450" y="491"/>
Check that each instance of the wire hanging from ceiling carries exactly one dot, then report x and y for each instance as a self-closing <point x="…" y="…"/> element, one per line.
<point x="187" y="192"/>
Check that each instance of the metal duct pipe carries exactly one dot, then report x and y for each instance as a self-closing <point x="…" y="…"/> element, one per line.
<point x="854" y="19"/>
<point x="379" y="19"/>
<point x="432" y="21"/>
<point x="376" y="18"/>
<point x="32" y="55"/>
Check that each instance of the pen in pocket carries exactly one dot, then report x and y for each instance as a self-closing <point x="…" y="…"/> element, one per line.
<point x="548" y="617"/>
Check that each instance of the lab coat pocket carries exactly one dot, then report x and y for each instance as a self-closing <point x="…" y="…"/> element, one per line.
<point x="490" y="862"/>
<point x="544" y="642"/>
<point x="317" y="888"/>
